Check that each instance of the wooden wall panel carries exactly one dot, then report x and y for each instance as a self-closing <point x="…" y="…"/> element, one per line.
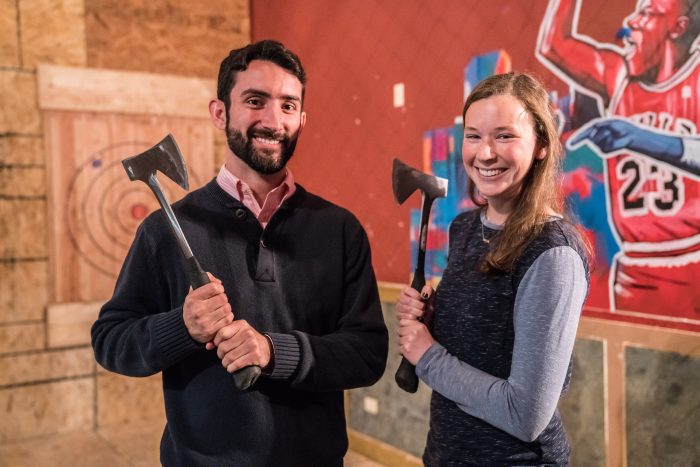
<point x="9" y="50"/>
<point x="165" y="36"/>
<point x="94" y="208"/>
<point x="53" y="31"/>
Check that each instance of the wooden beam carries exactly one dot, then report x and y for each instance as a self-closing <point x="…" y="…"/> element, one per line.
<point x="381" y="452"/>
<point x="68" y="324"/>
<point x="98" y="90"/>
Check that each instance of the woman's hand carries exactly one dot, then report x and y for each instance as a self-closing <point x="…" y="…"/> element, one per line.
<point x="413" y="334"/>
<point x="411" y="304"/>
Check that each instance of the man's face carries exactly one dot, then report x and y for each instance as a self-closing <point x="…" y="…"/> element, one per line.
<point x="651" y="25"/>
<point x="265" y="117"/>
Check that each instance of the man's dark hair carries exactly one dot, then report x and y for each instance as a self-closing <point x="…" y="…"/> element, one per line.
<point x="239" y="59"/>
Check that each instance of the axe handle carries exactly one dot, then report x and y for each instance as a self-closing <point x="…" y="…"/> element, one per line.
<point x="247" y="376"/>
<point x="195" y="272"/>
<point x="406" y="374"/>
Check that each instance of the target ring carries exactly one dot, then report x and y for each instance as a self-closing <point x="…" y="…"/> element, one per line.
<point x="104" y="208"/>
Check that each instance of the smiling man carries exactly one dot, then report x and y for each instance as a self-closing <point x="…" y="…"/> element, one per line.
<point x="651" y="161"/>
<point x="292" y="291"/>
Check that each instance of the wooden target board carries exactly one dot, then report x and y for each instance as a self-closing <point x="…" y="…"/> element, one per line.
<point x="94" y="209"/>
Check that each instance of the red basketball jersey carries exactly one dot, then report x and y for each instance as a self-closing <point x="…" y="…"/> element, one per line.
<point x="656" y="208"/>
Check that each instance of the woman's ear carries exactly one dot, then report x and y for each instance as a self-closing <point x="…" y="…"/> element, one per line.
<point x="541" y="153"/>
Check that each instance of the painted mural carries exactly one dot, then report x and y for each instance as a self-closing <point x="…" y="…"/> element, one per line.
<point x="632" y="166"/>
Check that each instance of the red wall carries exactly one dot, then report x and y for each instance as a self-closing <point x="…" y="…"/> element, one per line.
<point x="355" y="51"/>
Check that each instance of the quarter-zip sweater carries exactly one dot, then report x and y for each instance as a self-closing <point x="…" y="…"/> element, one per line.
<point x="306" y="281"/>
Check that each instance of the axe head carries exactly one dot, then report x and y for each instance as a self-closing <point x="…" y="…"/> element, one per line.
<point x="164" y="157"/>
<point x="405" y="180"/>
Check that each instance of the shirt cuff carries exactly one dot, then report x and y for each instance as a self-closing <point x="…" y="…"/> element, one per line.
<point x="172" y="337"/>
<point x="434" y="351"/>
<point x="287" y="354"/>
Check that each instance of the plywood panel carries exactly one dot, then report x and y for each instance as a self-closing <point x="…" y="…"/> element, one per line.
<point x="18" y="107"/>
<point x="94" y="208"/>
<point x="53" y="31"/>
<point x="121" y="399"/>
<point x="9" y="50"/>
<point x="165" y="36"/>
<point x="68" y="324"/>
<point x="21" y="337"/>
<point x="23" y="289"/>
<point x="46" y="366"/>
<point x="43" y="409"/>
<point x="107" y="91"/>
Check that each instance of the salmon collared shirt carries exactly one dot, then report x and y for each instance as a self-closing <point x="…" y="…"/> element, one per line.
<point x="237" y="188"/>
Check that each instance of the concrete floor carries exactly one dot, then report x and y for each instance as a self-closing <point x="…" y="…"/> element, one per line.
<point x="133" y="445"/>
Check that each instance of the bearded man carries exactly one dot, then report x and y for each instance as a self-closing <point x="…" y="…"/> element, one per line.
<point x="292" y="291"/>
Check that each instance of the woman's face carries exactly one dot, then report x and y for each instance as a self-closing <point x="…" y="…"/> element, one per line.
<point x="499" y="148"/>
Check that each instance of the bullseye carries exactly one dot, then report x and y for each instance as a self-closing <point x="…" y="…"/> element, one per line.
<point x="139" y="211"/>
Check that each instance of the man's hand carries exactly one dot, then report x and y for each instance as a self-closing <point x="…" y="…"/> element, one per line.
<point x="239" y="345"/>
<point x="206" y="311"/>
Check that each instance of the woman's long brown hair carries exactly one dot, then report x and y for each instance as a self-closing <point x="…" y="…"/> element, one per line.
<point x="540" y="193"/>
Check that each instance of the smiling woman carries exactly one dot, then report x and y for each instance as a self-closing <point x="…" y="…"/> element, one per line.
<point x="495" y="340"/>
<point x="499" y="148"/>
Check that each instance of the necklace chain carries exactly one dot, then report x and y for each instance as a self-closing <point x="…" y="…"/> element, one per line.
<point x="483" y="237"/>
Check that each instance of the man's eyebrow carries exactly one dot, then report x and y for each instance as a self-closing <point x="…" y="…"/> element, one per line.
<point x="261" y="93"/>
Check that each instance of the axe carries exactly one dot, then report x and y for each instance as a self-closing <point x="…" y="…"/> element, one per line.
<point x="404" y="181"/>
<point x="167" y="158"/>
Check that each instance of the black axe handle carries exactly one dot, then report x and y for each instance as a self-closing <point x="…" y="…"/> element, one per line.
<point x="247" y="376"/>
<point x="406" y="374"/>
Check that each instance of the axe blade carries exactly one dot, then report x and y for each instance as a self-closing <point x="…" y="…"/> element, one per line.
<point x="165" y="157"/>
<point x="405" y="180"/>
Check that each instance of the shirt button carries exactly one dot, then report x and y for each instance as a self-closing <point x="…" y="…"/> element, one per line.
<point x="241" y="214"/>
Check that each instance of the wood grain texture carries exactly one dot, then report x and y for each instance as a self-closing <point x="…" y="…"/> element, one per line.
<point x="24" y="289"/>
<point x="165" y="36"/>
<point x="107" y="91"/>
<point x="9" y="50"/>
<point x="69" y="324"/>
<point x="53" y="31"/>
<point x="19" y="112"/>
<point x="94" y="208"/>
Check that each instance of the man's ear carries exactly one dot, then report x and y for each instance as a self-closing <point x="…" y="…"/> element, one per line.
<point x="680" y="27"/>
<point x="303" y="120"/>
<point x="217" y="113"/>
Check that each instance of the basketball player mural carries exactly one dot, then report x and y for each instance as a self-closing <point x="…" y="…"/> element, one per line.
<point x="648" y="93"/>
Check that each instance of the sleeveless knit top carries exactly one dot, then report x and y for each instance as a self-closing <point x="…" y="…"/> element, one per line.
<point x="474" y="322"/>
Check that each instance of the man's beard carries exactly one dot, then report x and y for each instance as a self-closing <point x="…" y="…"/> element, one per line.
<point x="262" y="161"/>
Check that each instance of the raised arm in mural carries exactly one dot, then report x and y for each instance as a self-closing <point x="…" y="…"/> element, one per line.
<point x="597" y="69"/>
<point x="647" y="89"/>
<point x="612" y="135"/>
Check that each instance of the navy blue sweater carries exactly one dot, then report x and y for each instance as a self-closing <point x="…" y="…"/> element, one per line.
<point x="306" y="280"/>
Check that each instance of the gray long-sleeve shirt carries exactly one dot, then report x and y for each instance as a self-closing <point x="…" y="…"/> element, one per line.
<point x="471" y="365"/>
